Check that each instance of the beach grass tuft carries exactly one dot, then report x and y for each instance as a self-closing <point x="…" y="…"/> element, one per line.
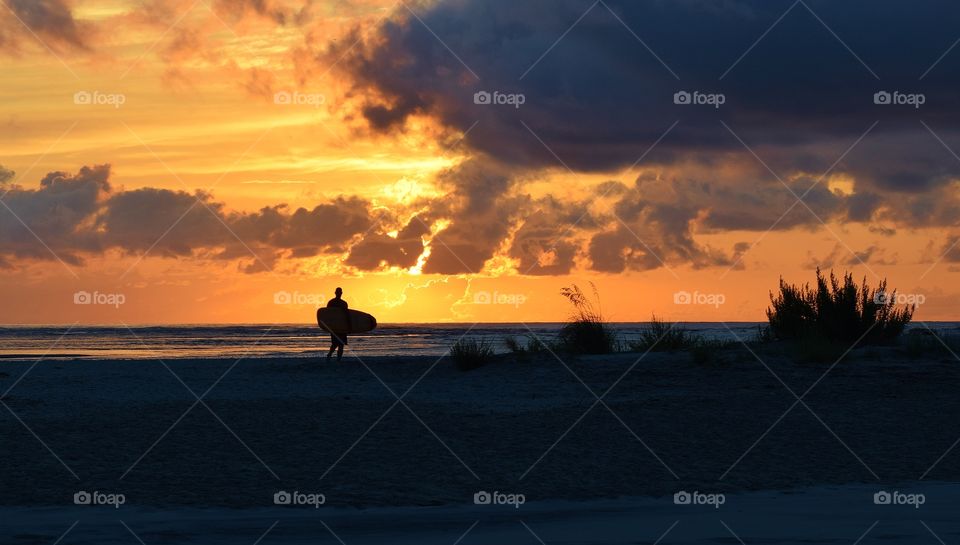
<point x="663" y="336"/>
<point x="533" y="345"/>
<point x="471" y="353"/>
<point x="586" y="332"/>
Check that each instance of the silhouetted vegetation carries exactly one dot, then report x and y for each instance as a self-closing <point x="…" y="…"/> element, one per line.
<point x="924" y="342"/>
<point x="836" y="311"/>
<point x="586" y="332"/>
<point x="533" y="345"/>
<point x="469" y="353"/>
<point x="661" y="335"/>
<point x="819" y="323"/>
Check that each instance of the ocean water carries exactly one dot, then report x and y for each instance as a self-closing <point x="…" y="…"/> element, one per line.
<point x="299" y="340"/>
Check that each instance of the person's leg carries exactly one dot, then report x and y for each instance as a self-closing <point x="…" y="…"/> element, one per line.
<point x="333" y="346"/>
<point x="339" y="350"/>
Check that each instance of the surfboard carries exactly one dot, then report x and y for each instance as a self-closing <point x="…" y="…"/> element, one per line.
<point x="345" y="321"/>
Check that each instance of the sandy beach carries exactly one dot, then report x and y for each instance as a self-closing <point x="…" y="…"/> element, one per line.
<point x="531" y="427"/>
<point x="813" y="515"/>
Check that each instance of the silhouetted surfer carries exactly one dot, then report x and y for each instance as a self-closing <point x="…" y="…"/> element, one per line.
<point x="337" y="340"/>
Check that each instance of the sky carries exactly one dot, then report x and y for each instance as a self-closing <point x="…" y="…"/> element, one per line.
<point x="208" y="161"/>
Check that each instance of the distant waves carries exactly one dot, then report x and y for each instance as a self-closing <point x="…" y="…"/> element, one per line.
<point x="294" y="340"/>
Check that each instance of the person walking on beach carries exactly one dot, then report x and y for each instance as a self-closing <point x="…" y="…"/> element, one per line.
<point x="337" y="341"/>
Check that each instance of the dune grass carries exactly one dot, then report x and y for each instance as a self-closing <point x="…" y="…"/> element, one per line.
<point x="586" y="332"/>
<point x="662" y="336"/>
<point x="471" y="353"/>
<point x="533" y="345"/>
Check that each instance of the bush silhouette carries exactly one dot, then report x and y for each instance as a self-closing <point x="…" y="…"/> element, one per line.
<point x="837" y="311"/>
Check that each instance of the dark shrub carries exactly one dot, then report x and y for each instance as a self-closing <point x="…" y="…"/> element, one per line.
<point x="837" y="311"/>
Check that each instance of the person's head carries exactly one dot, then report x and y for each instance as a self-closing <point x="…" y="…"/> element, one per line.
<point x="338" y="292"/>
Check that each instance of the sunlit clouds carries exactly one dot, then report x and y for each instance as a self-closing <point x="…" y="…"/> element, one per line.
<point x="201" y="156"/>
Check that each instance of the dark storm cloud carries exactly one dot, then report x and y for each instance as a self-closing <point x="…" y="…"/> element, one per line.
<point x="480" y="213"/>
<point x="57" y="215"/>
<point x="135" y="220"/>
<point x="762" y="207"/>
<point x="596" y="101"/>
<point x="51" y="21"/>
<point x="845" y="256"/>
<point x="377" y="249"/>
<point x="548" y="241"/>
<point x="801" y="99"/>
<point x="326" y="227"/>
<point x="70" y="216"/>
<point x="466" y="245"/>
<point x="599" y="98"/>
<point x="6" y="175"/>
<point x="653" y="232"/>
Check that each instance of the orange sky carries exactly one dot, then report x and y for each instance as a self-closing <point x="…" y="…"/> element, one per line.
<point x="198" y="113"/>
